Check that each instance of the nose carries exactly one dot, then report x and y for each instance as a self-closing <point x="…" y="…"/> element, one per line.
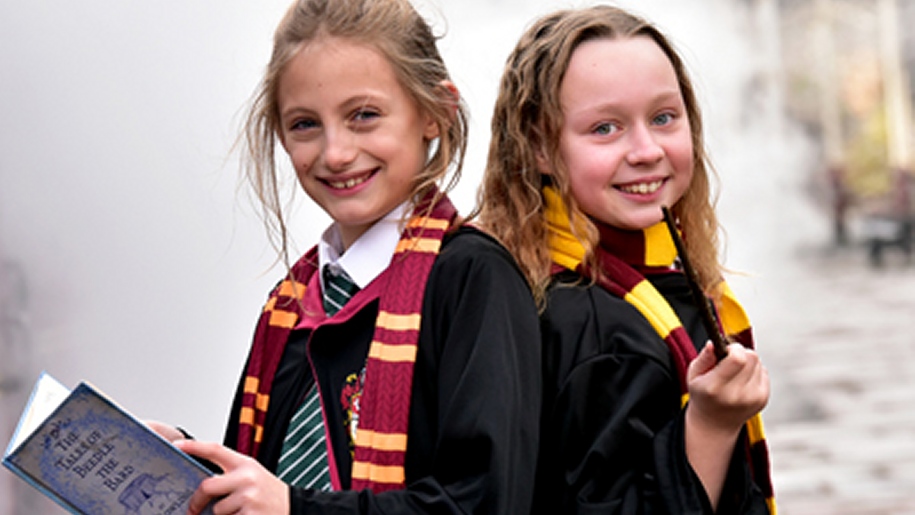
<point x="644" y="147"/>
<point x="339" y="149"/>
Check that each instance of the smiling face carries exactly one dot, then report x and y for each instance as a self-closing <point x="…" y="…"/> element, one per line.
<point x="625" y="137"/>
<point x="356" y="139"/>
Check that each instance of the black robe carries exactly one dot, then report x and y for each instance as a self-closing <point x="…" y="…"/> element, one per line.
<point x="612" y="436"/>
<point x="474" y="412"/>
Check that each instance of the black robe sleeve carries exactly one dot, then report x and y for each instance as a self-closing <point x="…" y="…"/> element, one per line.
<point x="612" y="439"/>
<point x="474" y="416"/>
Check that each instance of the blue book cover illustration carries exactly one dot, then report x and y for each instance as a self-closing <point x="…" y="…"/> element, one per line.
<point x="94" y="458"/>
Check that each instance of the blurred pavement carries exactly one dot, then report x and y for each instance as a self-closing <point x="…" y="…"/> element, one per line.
<point x="841" y="424"/>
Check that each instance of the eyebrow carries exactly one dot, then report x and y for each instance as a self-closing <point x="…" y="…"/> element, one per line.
<point x="611" y="105"/>
<point x="293" y="112"/>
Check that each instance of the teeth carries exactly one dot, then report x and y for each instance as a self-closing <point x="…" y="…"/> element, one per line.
<point x="339" y="185"/>
<point x="643" y="188"/>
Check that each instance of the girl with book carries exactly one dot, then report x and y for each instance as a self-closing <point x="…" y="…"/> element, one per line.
<point x="596" y="127"/>
<point x="396" y="368"/>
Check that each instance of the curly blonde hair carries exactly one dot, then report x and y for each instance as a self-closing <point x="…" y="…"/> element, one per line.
<point x="405" y="39"/>
<point x="527" y="121"/>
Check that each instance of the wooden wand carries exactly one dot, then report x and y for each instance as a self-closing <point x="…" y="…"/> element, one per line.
<point x="719" y="341"/>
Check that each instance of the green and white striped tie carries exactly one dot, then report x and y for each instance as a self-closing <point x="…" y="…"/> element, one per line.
<point x="303" y="461"/>
<point x="338" y="289"/>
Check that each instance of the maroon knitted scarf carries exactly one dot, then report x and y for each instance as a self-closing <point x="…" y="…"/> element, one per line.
<point x="381" y="437"/>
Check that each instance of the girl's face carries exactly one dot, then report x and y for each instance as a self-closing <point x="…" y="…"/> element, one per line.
<point x="356" y="139"/>
<point x="625" y="137"/>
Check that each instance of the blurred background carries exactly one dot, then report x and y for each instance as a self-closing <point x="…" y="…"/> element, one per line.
<point x="131" y="255"/>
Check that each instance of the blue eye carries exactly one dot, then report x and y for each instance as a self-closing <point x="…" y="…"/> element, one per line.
<point x="663" y="119"/>
<point x="363" y="115"/>
<point x="303" y="124"/>
<point x="605" y="129"/>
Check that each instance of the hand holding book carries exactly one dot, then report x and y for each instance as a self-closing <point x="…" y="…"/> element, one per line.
<point x="91" y="456"/>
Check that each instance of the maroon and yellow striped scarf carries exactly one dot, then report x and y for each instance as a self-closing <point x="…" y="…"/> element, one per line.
<point x="625" y="258"/>
<point x="381" y="437"/>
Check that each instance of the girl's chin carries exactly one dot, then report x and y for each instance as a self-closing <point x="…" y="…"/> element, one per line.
<point x="637" y="223"/>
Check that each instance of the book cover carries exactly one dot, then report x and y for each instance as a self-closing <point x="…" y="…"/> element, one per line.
<point x="94" y="458"/>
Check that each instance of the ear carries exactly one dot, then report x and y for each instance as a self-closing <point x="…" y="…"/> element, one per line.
<point x="543" y="164"/>
<point x="450" y="97"/>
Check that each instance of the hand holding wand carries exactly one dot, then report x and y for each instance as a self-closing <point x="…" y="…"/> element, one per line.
<point x="719" y="341"/>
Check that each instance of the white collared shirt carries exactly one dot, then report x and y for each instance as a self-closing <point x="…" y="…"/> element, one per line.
<point x="369" y="255"/>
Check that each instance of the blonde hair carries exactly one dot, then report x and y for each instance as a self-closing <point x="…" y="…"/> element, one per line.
<point x="527" y="123"/>
<point x="394" y="28"/>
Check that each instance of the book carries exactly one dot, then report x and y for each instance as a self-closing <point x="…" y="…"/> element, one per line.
<point x="94" y="458"/>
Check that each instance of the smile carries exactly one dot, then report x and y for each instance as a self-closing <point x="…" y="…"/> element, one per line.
<point x="642" y="188"/>
<point x="349" y="183"/>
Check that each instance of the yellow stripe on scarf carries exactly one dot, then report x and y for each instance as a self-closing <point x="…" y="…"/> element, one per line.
<point x="652" y="306"/>
<point x="280" y="317"/>
<point x="429" y="223"/>
<point x="285" y="319"/>
<point x="430" y="245"/>
<point x="289" y="288"/>
<point x="392" y="353"/>
<point x="733" y="317"/>
<point x="395" y="322"/>
<point x="659" y="246"/>
<point x="565" y="249"/>
<point x="381" y="441"/>
<point x="252" y="384"/>
<point x="391" y="474"/>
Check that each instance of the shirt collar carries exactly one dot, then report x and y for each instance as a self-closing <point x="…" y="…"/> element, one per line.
<point x="362" y="261"/>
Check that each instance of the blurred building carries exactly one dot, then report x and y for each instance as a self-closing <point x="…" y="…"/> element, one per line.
<point x="847" y="79"/>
